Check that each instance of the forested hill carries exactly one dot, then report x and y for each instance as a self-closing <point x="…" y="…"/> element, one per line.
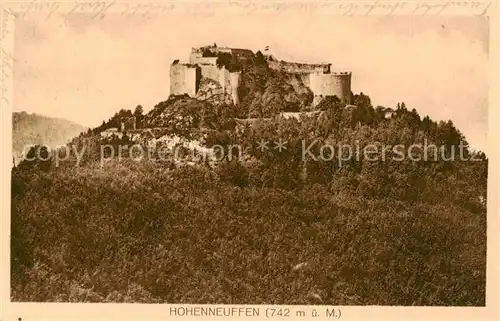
<point x="28" y="129"/>
<point x="264" y="227"/>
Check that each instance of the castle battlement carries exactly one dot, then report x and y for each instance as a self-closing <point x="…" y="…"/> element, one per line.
<point x="341" y="73"/>
<point x="185" y="77"/>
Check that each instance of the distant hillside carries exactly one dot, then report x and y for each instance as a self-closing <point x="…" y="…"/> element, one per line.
<point x="37" y="129"/>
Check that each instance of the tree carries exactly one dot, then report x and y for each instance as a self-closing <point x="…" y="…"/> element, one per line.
<point x="234" y="65"/>
<point x="38" y="157"/>
<point x="139" y="117"/>
<point x="138" y="110"/>
<point x="224" y="59"/>
<point x="362" y="100"/>
<point x="259" y="59"/>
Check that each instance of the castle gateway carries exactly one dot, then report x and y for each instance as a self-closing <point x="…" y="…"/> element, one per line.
<point x="218" y="81"/>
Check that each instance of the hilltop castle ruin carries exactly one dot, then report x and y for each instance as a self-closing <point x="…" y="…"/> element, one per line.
<point x="187" y="77"/>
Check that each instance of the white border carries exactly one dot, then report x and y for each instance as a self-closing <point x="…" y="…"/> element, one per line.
<point x="54" y="311"/>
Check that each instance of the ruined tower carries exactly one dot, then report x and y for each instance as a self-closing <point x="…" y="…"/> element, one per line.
<point x="332" y="84"/>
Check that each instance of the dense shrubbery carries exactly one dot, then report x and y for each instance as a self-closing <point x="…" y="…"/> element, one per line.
<point x="183" y="114"/>
<point x="388" y="233"/>
<point x="184" y="236"/>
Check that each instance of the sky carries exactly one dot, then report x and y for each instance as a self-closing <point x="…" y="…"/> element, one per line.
<point x="85" y="70"/>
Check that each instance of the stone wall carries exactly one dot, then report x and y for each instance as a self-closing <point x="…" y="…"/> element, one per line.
<point x="210" y="72"/>
<point x="184" y="79"/>
<point x="212" y="92"/>
<point x="295" y="67"/>
<point x="128" y="123"/>
<point x="197" y="59"/>
<point x="305" y="79"/>
<point x="235" y="81"/>
<point x="335" y="84"/>
<point x="218" y="82"/>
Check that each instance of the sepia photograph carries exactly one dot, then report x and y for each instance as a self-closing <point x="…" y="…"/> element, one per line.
<point x="300" y="158"/>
